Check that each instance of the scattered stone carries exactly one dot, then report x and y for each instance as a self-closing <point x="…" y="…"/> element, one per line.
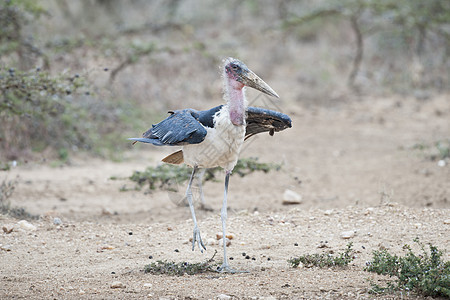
<point x="291" y="198"/>
<point x="229" y="236"/>
<point x="5" y="247"/>
<point x="228" y="242"/>
<point x="211" y="242"/>
<point x="57" y="221"/>
<point x="81" y="292"/>
<point x="148" y="285"/>
<point x="8" y="228"/>
<point x="105" y="247"/>
<point x="328" y="212"/>
<point x="447" y="221"/>
<point x="223" y="297"/>
<point x="323" y="244"/>
<point x="117" y="285"/>
<point x="441" y="163"/>
<point x="106" y="211"/>
<point x="24" y="224"/>
<point x="384" y="246"/>
<point x="347" y="234"/>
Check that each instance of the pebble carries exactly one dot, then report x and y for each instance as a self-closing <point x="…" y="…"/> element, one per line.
<point x="8" y="228"/>
<point x="24" y="224"/>
<point x="148" y="285"/>
<point x="5" y="247"/>
<point x="223" y="297"/>
<point x="347" y="234"/>
<point x="211" y="242"/>
<point x="57" y="221"/>
<point x="291" y="197"/>
<point x="328" y="212"/>
<point x="228" y="242"/>
<point x="447" y="221"/>
<point x="229" y="236"/>
<point x="117" y="285"/>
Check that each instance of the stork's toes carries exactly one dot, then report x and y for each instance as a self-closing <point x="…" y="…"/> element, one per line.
<point x="197" y="239"/>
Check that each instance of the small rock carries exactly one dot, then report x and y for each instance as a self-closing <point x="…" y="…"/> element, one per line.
<point x="57" y="221"/>
<point x="117" y="285"/>
<point x="24" y="224"/>
<point x="8" y="228"/>
<point x="5" y="247"/>
<point x="148" y="285"/>
<point x="211" y="242"/>
<point x="229" y="236"/>
<point x="81" y="292"/>
<point x="106" y="211"/>
<point x="223" y="297"/>
<point x="227" y="241"/>
<point x="328" y="212"/>
<point x="384" y="245"/>
<point x="290" y="197"/>
<point x="441" y="163"/>
<point x="447" y="221"/>
<point x="347" y="234"/>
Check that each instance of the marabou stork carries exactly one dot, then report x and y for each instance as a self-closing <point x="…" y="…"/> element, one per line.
<point x="214" y="137"/>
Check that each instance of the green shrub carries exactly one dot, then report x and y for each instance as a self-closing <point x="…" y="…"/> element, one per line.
<point x="426" y="273"/>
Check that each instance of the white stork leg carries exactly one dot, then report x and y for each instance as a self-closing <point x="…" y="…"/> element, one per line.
<point x="223" y="215"/>
<point x="196" y="237"/>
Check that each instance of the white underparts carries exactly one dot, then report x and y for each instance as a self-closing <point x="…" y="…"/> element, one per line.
<point x="221" y="146"/>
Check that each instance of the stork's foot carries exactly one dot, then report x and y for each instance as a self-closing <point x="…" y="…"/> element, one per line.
<point x="225" y="268"/>
<point x="197" y="239"/>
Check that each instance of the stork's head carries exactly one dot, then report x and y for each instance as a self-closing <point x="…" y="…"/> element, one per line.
<point x="236" y="70"/>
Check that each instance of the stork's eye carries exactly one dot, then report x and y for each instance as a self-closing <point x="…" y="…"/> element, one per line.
<point x="235" y="67"/>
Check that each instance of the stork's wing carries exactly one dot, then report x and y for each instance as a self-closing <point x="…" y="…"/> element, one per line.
<point x="180" y="128"/>
<point x="262" y="120"/>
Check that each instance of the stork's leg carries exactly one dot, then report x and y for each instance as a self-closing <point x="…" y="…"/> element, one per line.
<point x="196" y="238"/>
<point x="223" y="215"/>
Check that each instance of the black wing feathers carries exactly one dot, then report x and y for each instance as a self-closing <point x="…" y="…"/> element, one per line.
<point x="262" y="120"/>
<point x="180" y="128"/>
<point x="187" y="126"/>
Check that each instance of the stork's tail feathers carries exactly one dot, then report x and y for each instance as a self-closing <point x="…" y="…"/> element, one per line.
<point x="175" y="158"/>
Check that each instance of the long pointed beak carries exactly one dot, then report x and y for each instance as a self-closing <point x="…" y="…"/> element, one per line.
<point x="252" y="80"/>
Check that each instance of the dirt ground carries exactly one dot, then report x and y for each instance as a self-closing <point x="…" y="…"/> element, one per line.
<point x="354" y="165"/>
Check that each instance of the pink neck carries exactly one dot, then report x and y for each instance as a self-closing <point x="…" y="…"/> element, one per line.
<point x="236" y="102"/>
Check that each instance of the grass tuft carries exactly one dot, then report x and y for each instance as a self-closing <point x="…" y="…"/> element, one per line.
<point x="181" y="268"/>
<point x="325" y="260"/>
<point x="426" y="273"/>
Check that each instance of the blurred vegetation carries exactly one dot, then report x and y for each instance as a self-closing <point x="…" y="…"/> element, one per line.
<point x="410" y="24"/>
<point x="425" y="273"/>
<point x="168" y="177"/>
<point x="440" y="150"/>
<point x="136" y="60"/>
<point x="7" y="188"/>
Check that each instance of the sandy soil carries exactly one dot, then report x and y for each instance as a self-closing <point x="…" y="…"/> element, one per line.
<point x="353" y="164"/>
